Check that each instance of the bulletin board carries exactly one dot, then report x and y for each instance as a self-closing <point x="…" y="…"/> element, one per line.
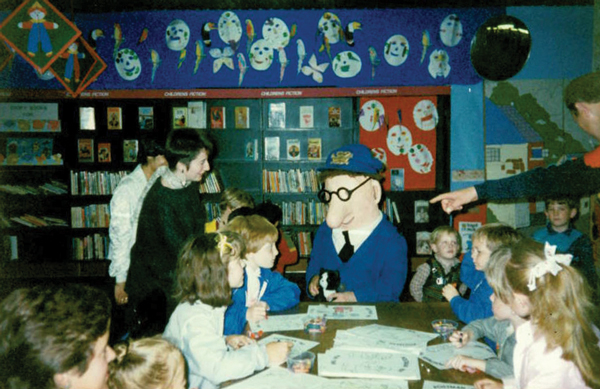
<point x="401" y="132"/>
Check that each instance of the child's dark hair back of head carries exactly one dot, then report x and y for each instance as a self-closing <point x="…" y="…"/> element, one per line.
<point x="272" y="212"/>
<point x="569" y="201"/>
<point x="255" y="230"/>
<point x="149" y="148"/>
<point x="242" y="211"/>
<point x="184" y="144"/>
<point x="497" y="234"/>
<point x="202" y="268"/>
<point x="235" y="198"/>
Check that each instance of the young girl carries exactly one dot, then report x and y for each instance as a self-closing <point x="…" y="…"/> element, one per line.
<point x="209" y="266"/>
<point x="55" y="337"/>
<point x="149" y="363"/>
<point x="559" y="346"/>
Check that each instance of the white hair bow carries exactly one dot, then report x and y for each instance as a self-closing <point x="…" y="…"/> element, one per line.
<point x="550" y="265"/>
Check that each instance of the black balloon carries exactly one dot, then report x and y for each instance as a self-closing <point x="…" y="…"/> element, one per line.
<point x="500" y="48"/>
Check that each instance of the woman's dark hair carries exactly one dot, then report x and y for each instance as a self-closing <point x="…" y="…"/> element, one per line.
<point x="149" y="148"/>
<point x="183" y="145"/>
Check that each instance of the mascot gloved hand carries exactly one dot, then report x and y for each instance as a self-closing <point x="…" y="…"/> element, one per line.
<point x="356" y="239"/>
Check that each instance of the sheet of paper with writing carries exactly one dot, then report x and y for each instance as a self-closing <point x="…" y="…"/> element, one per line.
<point x="344" y="312"/>
<point x="348" y="341"/>
<point x="278" y="377"/>
<point x="300" y="345"/>
<point x="361" y="364"/>
<point x="444" y="385"/>
<point x="439" y="354"/>
<point x="280" y="323"/>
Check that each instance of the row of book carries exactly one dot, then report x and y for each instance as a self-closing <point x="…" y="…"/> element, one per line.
<point x="390" y="209"/>
<point x="95" y="183"/>
<point x="303" y="213"/>
<point x="90" y="216"/>
<point x="49" y="188"/>
<point x="304" y="243"/>
<point x="212" y="210"/>
<point x="291" y="181"/>
<point x="210" y="184"/>
<point x="38" y="221"/>
<point x="90" y="247"/>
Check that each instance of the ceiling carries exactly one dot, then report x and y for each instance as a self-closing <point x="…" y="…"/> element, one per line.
<point x="102" y="6"/>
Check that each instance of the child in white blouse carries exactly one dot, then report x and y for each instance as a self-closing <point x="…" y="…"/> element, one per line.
<point x="209" y="266"/>
<point x="558" y="347"/>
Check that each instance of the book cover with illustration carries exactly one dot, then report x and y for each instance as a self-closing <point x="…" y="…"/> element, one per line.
<point x="114" y="118"/>
<point x="85" y="150"/>
<point x="293" y="149"/>
<point x="251" y="153"/>
<point x="217" y="117"/>
<point x="130" y="150"/>
<point x="179" y="117"/>
<point x="87" y="118"/>
<point x="242" y="117"/>
<point x="31" y="151"/>
<point x="104" y="152"/>
<point x="335" y="117"/>
<point x="307" y="118"/>
<point x="397" y="180"/>
<point x="146" y="118"/>
<point x="197" y="114"/>
<point x="277" y="115"/>
<point x="314" y="149"/>
<point x="423" y="245"/>
<point x="272" y="148"/>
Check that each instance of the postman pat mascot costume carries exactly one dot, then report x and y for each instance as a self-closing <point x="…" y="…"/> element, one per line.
<point x="356" y="239"/>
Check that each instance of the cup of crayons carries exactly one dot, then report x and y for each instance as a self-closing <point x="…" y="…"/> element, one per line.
<point x="315" y="324"/>
<point x="301" y="363"/>
<point x="444" y="327"/>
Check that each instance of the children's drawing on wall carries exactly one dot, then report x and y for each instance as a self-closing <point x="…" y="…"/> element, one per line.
<point x="229" y="27"/>
<point x="451" y="31"/>
<point x="423" y="246"/>
<point x="439" y="64"/>
<point x="128" y="64"/>
<point x="421" y="211"/>
<point x="466" y="230"/>
<point x="177" y="37"/>
<point x="425" y="115"/>
<point x="395" y="50"/>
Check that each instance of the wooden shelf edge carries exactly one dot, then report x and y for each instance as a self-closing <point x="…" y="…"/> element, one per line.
<point x="22" y="269"/>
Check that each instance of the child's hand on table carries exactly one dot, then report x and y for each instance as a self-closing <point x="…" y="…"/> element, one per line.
<point x="460" y="338"/>
<point x="463" y="363"/>
<point x="342" y="297"/>
<point x="238" y="341"/>
<point x="278" y="352"/>
<point x="449" y="292"/>
<point x="257" y="312"/>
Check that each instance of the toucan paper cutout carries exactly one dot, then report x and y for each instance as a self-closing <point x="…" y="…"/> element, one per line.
<point x="38" y="32"/>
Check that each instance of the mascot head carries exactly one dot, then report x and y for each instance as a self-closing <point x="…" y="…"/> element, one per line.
<point x="351" y="185"/>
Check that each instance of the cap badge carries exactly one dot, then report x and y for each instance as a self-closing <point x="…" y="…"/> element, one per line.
<point x="341" y="158"/>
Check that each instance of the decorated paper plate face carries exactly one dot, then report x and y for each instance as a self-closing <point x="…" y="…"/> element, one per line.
<point x="261" y="55"/>
<point x="230" y="28"/>
<point x="399" y="140"/>
<point x="380" y="154"/>
<point x="371" y="115"/>
<point x="439" y="65"/>
<point x="425" y="115"/>
<point x="346" y="64"/>
<point x="276" y="32"/>
<point x="420" y="159"/>
<point x="331" y="27"/>
<point x="128" y="64"/>
<point x="177" y="35"/>
<point x="451" y="30"/>
<point x="396" y="50"/>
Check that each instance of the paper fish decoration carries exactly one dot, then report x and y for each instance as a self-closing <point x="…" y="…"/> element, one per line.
<point x="222" y="57"/>
<point x="206" y="27"/>
<point x="426" y="43"/>
<point x="301" y="54"/>
<point x="199" y="55"/>
<point x="250" y="33"/>
<point x="155" y="58"/>
<point x="182" y="55"/>
<point x="349" y="33"/>
<point x="283" y="62"/>
<point x="375" y="61"/>
<point x="315" y="70"/>
<point x="243" y="65"/>
<point x="143" y="36"/>
<point x="118" y="35"/>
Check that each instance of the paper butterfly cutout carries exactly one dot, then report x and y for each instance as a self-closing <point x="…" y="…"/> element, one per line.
<point x="222" y="57"/>
<point x="315" y="70"/>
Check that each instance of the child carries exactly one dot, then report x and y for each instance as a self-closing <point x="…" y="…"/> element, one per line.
<point x="55" y="337"/>
<point x="559" y="346"/>
<point x="288" y="255"/>
<point x="500" y="328"/>
<point x="561" y="212"/>
<point x="231" y="199"/>
<point x="485" y="240"/>
<point x="151" y="363"/>
<point x="441" y="269"/>
<point x="209" y="266"/>
<point x="264" y="289"/>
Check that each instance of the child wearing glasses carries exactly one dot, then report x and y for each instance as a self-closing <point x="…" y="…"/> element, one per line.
<point x="441" y="269"/>
<point x="356" y="240"/>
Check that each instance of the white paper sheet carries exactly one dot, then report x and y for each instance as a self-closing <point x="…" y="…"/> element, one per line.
<point x="279" y="323"/>
<point x="361" y="364"/>
<point x="300" y="345"/>
<point x="439" y="354"/>
<point x="444" y="385"/>
<point x="344" y="312"/>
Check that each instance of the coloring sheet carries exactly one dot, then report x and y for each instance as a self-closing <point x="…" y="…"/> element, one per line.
<point x="439" y="354"/>
<point x="395" y="334"/>
<point x="300" y="345"/>
<point x="361" y="364"/>
<point x="348" y="341"/>
<point x="281" y="378"/>
<point x="360" y="383"/>
<point x="279" y="323"/>
<point x="344" y="312"/>
<point x="444" y="385"/>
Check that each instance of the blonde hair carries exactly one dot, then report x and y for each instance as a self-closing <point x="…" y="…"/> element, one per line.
<point x="496" y="234"/>
<point x="234" y="198"/>
<point x="255" y="230"/>
<point x="437" y="234"/>
<point x="494" y="273"/>
<point x="147" y="363"/>
<point x="561" y="307"/>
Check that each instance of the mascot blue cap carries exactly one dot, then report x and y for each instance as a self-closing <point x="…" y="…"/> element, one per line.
<point x="354" y="158"/>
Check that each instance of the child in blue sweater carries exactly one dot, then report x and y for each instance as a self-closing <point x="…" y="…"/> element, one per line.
<point x="485" y="240"/>
<point x="263" y="290"/>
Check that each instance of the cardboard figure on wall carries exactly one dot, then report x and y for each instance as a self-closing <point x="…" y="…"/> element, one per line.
<point x="38" y="32"/>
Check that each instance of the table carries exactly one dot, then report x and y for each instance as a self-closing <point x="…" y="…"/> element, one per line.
<point x="411" y="315"/>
